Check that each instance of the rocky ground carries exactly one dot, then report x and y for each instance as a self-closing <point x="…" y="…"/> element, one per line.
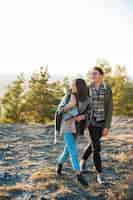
<point x="28" y="158"/>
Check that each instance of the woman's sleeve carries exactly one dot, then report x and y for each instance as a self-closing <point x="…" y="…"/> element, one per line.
<point x="71" y="104"/>
<point x="62" y="102"/>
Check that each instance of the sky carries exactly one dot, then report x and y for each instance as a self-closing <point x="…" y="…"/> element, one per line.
<point x="36" y="32"/>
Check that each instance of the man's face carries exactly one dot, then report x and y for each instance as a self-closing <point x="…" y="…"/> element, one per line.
<point x="96" y="76"/>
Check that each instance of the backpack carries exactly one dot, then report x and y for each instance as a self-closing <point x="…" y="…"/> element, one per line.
<point x="59" y="115"/>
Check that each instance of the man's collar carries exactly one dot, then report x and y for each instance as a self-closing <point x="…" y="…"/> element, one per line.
<point x="93" y="84"/>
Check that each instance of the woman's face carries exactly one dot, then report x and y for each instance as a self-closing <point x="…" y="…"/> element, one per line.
<point x="73" y="86"/>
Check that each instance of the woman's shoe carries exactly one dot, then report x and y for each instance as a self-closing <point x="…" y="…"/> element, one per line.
<point x="59" y="169"/>
<point x="82" y="180"/>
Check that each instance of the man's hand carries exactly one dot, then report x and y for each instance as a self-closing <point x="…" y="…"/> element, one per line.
<point x="105" y="132"/>
<point x="80" y="117"/>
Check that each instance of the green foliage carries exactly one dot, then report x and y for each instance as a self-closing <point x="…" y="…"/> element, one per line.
<point x="122" y="89"/>
<point x="11" y="102"/>
<point x="42" y="98"/>
<point x="37" y="99"/>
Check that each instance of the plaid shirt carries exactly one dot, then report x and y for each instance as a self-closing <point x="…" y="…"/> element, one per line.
<point x="97" y="103"/>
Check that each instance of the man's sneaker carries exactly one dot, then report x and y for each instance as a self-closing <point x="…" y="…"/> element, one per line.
<point x="99" y="179"/>
<point x="82" y="180"/>
<point x="82" y="165"/>
<point x="59" y="169"/>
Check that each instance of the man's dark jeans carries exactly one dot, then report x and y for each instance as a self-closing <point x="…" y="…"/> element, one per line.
<point x="95" y="147"/>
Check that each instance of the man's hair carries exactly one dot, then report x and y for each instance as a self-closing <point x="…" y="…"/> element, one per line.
<point x="100" y="70"/>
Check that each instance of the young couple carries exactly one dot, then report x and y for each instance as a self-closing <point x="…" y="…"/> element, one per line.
<point x="92" y="105"/>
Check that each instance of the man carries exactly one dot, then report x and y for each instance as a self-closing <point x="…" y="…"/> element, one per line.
<point x="100" y="119"/>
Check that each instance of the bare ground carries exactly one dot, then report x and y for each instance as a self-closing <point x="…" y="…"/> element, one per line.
<point x="28" y="159"/>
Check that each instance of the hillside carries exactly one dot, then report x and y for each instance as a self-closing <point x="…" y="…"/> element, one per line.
<point x="28" y="159"/>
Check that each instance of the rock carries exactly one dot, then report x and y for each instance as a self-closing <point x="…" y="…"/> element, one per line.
<point x="3" y="147"/>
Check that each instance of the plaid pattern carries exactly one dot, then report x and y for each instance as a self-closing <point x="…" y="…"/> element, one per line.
<point x="97" y="103"/>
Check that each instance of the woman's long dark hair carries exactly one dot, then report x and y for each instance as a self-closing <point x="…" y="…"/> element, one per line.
<point x="82" y="90"/>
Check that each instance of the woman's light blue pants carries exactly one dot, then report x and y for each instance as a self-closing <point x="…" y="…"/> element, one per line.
<point x="70" y="150"/>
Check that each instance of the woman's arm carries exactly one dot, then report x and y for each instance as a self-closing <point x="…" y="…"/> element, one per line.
<point x="71" y="104"/>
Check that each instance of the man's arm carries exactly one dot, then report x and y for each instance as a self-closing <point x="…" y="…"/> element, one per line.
<point x="109" y="110"/>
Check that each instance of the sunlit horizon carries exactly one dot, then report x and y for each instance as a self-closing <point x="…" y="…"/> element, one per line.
<point x="59" y="70"/>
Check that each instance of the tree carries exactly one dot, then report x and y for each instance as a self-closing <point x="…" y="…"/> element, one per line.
<point x="37" y="95"/>
<point x="42" y="97"/>
<point x="11" y="101"/>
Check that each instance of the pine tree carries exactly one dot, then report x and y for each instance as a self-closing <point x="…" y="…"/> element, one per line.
<point x="11" y="101"/>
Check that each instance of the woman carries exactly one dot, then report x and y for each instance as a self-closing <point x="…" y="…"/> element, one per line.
<point x="78" y="100"/>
